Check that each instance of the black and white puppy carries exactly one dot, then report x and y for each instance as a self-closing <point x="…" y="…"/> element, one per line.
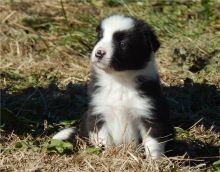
<point x="126" y="104"/>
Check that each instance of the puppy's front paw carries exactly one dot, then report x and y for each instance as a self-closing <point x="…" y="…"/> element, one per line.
<point x="153" y="148"/>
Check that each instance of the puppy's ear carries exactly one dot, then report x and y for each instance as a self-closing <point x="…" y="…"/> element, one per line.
<point x="154" y="42"/>
<point x="152" y="39"/>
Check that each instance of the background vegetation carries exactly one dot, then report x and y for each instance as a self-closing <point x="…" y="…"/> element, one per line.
<point x="45" y="47"/>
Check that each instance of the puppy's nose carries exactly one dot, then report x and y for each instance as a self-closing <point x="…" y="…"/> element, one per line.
<point x="100" y="54"/>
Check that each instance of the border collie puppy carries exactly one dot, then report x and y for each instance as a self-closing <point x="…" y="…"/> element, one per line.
<point x="126" y="104"/>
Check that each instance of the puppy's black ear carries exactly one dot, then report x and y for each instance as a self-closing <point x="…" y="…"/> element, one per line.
<point x="152" y="39"/>
<point x="154" y="42"/>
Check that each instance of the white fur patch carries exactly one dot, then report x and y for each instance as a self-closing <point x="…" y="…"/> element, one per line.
<point x="101" y="138"/>
<point x="116" y="23"/>
<point x="65" y="134"/>
<point x="120" y="103"/>
<point x="153" y="148"/>
<point x="110" y="25"/>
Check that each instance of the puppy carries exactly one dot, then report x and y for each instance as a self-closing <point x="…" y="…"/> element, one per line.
<point x="125" y="100"/>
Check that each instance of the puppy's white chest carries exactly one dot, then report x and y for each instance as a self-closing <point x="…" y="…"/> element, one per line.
<point x="121" y="107"/>
<point x="120" y="100"/>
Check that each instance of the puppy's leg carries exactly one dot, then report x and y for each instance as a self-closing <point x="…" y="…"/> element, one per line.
<point x="153" y="147"/>
<point x="97" y="130"/>
<point x="100" y="137"/>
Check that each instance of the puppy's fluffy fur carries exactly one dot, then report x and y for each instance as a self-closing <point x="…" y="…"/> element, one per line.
<point x="126" y="104"/>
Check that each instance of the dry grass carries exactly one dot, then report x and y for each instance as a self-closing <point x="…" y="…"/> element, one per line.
<point x="118" y="158"/>
<point x="44" y="68"/>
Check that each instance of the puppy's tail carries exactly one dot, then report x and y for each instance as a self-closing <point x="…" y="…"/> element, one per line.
<point x="68" y="134"/>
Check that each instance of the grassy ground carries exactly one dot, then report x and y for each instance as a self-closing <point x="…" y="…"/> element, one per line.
<point x="44" y="48"/>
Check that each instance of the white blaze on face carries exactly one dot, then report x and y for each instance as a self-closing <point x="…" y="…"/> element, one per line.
<point x="109" y="26"/>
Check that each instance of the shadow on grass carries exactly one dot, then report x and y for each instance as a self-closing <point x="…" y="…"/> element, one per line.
<point x="37" y="110"/>
<point x="194" y="102"/>
<point x="42" y="111"/>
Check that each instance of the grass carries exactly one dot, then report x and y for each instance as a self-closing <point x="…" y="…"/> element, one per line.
<point x="44" y="69"/>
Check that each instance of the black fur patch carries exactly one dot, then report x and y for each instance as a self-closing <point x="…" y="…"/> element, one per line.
<point x="133" y="47"/>
<point x="159" y="126"/>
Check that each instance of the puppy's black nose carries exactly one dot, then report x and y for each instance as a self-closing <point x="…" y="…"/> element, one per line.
<point x="100" y="54"/>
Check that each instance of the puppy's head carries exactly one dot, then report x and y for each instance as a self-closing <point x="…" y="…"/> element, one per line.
<point x="124" y="43"/>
